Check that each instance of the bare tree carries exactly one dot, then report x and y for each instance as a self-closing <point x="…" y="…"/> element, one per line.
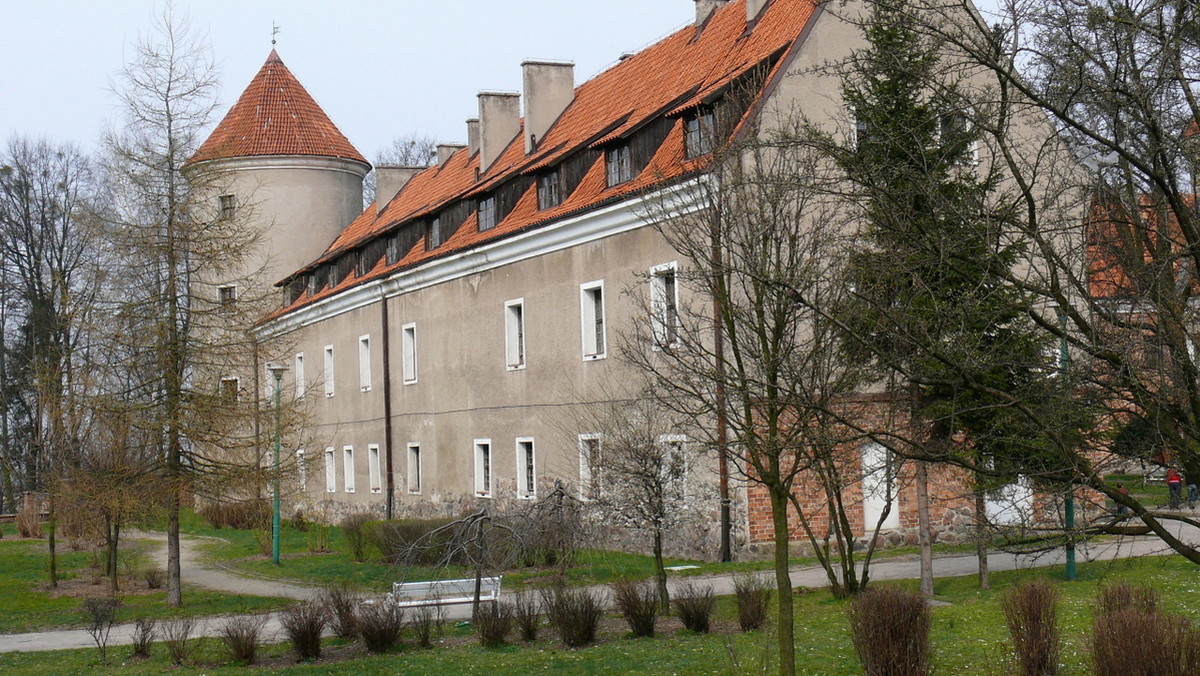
<point x="409" y="150"/>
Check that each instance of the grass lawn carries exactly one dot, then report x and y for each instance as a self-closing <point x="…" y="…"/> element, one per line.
<point x="968" y="637"/>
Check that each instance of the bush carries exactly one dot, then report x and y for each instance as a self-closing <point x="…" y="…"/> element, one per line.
<point x="240" y="636"/>
<point x="395" y="539"/>
<point x="354" y="529"/>
<point x="575" y="612"/>
<point x="493" y="622"/>
<point x="341" y="607"/>
<point x="243" y="515"/>
<point x="425" y="620"/>
<point x="29" y="522"/>
<point x="638" y="603"/>
<point x="143" y="637"/>
<point x="1135" y="642"/>
<point x="695" y="606"/>
<point x="298" y="523"/>
<point x="317" y="538"/>
<point x="1124" y="596"/>
<point x="154" y="576"/>
<point x="527" y="614"/>
<point x="303" y="624"/>
<point x="753" y="597"/>
<point x="380" y="625"/>
<point x="101" y="612"/>
<point x="890" y="629"/>
<point x="177" y="636"/>
<point x="1031" y="613"/>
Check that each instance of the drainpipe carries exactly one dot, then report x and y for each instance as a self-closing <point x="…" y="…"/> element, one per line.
<point x="387" y="405"/>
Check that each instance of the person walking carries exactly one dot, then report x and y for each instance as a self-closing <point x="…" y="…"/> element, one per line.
<point x="1174" y="488"/>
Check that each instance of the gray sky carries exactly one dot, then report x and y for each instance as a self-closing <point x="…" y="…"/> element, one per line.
<point x="379" y="68"/>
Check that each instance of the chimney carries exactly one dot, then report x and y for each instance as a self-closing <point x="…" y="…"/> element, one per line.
<point x="704" y="8"/>
<point x="549" y="89"/>
<point x="445" y="150"/>
<point x="754" y="8"/>
<point x="389" y="181"/>
<point x="473" y="135"/>
<point x="499" y="122"/>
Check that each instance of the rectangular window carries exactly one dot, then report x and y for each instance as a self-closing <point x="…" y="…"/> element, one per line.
<point x="364" y="363"/>
<point x="664" y="305"/>
<point x="228" y="204"/>
<point x="591" y="311"/>
<point x="674" y="465"/>
<point x="957" y="137"/>
<point x="301" y="470"/>
<point x="329" y="370"/>
<point x="433" y="234"/>
<point x="227" y="295"/>
<point x="314" y="283"/>
<point x="514" y="333"/>
<point x="414" y="468"/>
<point x="393" y="249"/>
<point x="699" y="133"/>
<point x="376" y="475"/>
<point x="589" y="466"/>
<point x="348" y="468"/>
<point x="229" y="391"/>
<point x="487" y="213"/>
<point x="619" y="164"/>
<point x="549" y="190"/>
<point x="300" y="384"/>
<point x="408" y="349"/>
<point x="330" y="471"/>
<point x="526" y="469"/>
<point x="483" y="468"/>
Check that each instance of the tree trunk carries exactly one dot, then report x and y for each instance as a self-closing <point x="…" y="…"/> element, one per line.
<point x="660" y="572"/>
<point x="51" y="533"/>
<point x="174" y="583"/>
<point x="783" y="582"/>
<point x="924" y="529"/>
<point x="981" y="546"/>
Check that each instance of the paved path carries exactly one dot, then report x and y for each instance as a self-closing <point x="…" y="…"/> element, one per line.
<point x="200" y="574"/>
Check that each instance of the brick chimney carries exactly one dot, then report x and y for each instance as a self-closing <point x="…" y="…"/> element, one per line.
<point x="705" y="8"/>
<point x="473" y="135"/>
<point x="549" y="89"/>
<point x="499" y="123"/>
<point x="445" y="150"/>
<point x="389" y="181"/>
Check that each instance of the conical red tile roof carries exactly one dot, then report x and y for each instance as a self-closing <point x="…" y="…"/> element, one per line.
<point x="276" y="116"/>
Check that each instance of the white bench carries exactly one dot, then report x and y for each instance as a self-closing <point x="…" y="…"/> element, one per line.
<point x="443" y="592"/>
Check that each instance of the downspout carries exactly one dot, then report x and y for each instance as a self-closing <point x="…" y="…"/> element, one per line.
<point x="387" y="404"/>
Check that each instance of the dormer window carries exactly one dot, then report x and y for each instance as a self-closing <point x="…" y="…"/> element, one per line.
<point x="487" y="213"/>
<point x="313" y="283"/>
<point x="549" y="190"/>
<point x="619" y="163"/>
<point x="433" y="234"/>
<point x="393" y="249"/>
<point x="699" y="133"/>
<point x="228" y="205"/>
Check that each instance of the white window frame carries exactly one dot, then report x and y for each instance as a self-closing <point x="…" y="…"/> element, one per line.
<point x="515" y="336"/>
<point x="414" y="469"/>
<point x="231" y="398"/>
<point x="375" y="472"/>
<point x="329" y="371"/>
<point x="299" y="376"/>
<point x="526" y="465"/>
<point x="487" y="213"/>
<point x="618" y="164"/>
<point x="348" y="468"/>
<point x="408" y="351"/>
<point x="364" y="363"/>
<point x="227" y="294"/>
<point x="589" y="480"/>
<point x="330" y="469"/>
<point x="485" y="468"/>
<point x="301" y="469"/>
<point x="593" y="330"/>
<point x="664" y="305"/>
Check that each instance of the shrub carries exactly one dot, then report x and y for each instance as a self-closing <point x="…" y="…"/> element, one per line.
<point x="695" y="606"/>
<point x="143" y="637"/>
<point x="154" y="576"/>
<point x="240" y="636"/>
<point x="317" y="538"/>
<point x="638" y="603"/>
<point x="303" y="624"/>
<point x="29" y="522"/>
<point x="1123" y="596"/>
<point x="380" y="625"/>
<point x="341" y="607"/>
<point x="1031" y="613"/>
<point x="298" y="523"/>
<point x="493" y="622"/>
<point x="395" y="541"/>
<point x="527" y="614"/>
<point x="101" y="612"/>
<point x="1135" y="642"/>
<point x="177" y="636"/>
<point x="242" y="515"/>
<point x="354" y="529"/>
<point x="890" y="629"/>
<point x="425" y="620"/>
<point x="753" y="597"/>
<point x="575" y="612"/>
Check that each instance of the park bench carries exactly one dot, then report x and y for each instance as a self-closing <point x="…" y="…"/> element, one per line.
<point x="443" y="592"/>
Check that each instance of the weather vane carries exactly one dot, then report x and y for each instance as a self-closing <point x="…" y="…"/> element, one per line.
<point x="274" y="32"/>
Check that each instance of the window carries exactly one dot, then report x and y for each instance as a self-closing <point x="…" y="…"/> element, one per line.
<point x="956" y="133"/>
<point x="364" y="363"/>
<point x="589" y="466"/>
<point x="620" y="165"/>
<point x="329" y="370"/>
<point x="664" y="305"/>
<point x="376" y="476"/>
<point x="408" y="349"/>
<point x="698" y="133"/>
<point x="483" y="468"/>
<point x="228" y="205"/>
<point x="526" y="469"/>
<point x="300" y="384"/>
<point x="301" y="470"/>
<point x="229" y="391"/>
<point x="487" y="213"/>
<point x="549" y="192"/>
<point x="414" y="468"/>
<point x="227" y="294"/>
<point x="514" y="334"/>
<point x="348" y="468"/>
<point x="393" y="249"/>
<point x="433" y="234"/>
<point x="314" y="283"/>
<point x="330" y="471"/>
<point x="675" y="465"/>
<point x="591" y="311"/>
<point x="862" y="132"/>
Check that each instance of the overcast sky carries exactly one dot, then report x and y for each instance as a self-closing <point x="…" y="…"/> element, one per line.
<point x="379" y="68"/>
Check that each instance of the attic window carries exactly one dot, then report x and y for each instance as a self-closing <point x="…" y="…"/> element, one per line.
<point x="699" y="133"/>
<point x="619" y="162"/>
<point x="549" y="192"/>
<point x="433" y="234"/>
<point x="313" y="282"/>
<point x="487" y="213"/>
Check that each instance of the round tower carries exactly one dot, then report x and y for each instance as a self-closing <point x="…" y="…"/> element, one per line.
<point x="277" y="163"/>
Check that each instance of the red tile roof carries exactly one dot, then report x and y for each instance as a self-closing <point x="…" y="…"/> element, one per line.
<point x="275" y="115"/>
<point x="679" y="72"/>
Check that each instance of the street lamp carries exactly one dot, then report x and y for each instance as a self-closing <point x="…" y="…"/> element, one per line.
<point x="276" y="370"/>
